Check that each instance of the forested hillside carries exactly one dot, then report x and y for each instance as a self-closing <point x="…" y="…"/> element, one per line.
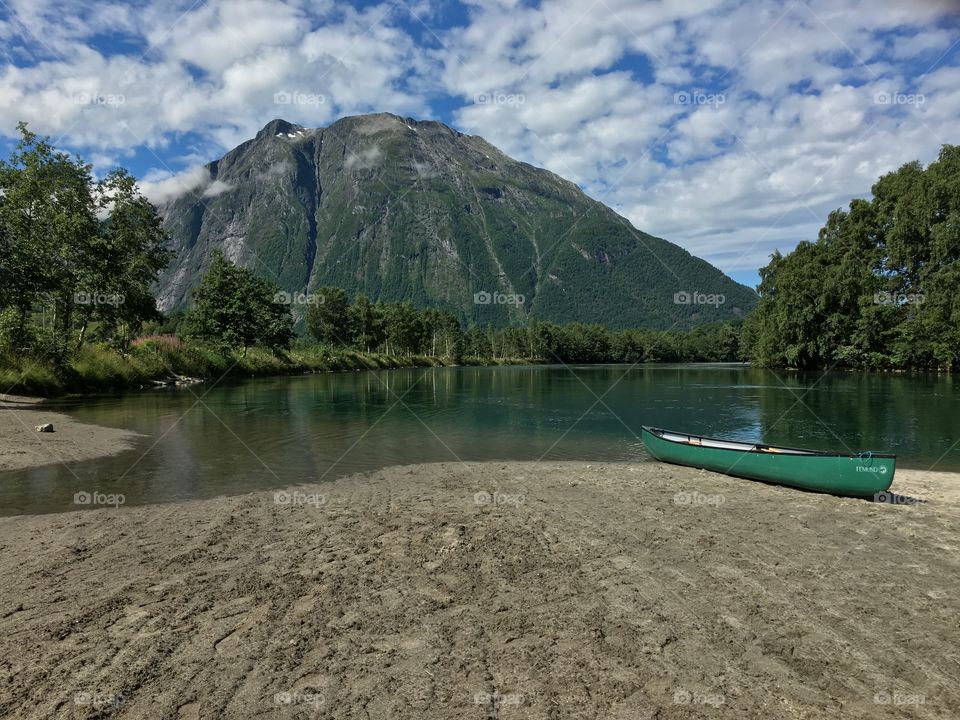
<point x="399" y="209"/>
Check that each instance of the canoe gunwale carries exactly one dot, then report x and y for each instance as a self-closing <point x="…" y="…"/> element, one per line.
<point x="757" y="448"/>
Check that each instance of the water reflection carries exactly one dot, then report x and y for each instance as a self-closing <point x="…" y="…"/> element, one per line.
<point x="279" y="431"/>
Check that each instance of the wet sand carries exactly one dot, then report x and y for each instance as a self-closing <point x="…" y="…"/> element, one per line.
<point x="508" y="590"/>
<point x="21" y="446"/>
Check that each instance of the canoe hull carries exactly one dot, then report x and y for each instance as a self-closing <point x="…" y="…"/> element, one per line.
<point x="856" y="476"/>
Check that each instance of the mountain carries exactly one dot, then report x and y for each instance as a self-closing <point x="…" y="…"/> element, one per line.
<point x="413" y="210"/>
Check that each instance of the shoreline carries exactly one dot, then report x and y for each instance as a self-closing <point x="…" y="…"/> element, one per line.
<point x="23" y="448"/>
<point x="142" y="374"/>
<point x="532" y="590"/>
<point x="71" y="441"/>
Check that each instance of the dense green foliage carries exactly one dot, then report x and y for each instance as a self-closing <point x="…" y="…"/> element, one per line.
<point x="234" y="308"/>
<point x="880" y="288"/>
<point x="73" y="254"/>
<point x="162" y="359"/>
<point x="326" y="317"/>
<point x="401" y="328"/>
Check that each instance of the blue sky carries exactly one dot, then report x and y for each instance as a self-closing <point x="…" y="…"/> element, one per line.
<point x="731" y="128"/>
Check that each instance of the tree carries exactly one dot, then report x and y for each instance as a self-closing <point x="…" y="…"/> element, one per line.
<point x="131" y="245"/>
<point x="476" y="343"/>
<point x="329" y="321"/>
<point x="366" y="324"/>
<point x="449" y="335"/>
<point x="879" y="286"/>
<point x="404" y="329"/>
<point x="49" y="231"/>
<point x="443" y="330"/>
<point x="234" y="307"/>
<point x="514" y="342"/>
<point x="626" y="346"/>
<point x="74" y="250"/>
<point x="541" y="340"/>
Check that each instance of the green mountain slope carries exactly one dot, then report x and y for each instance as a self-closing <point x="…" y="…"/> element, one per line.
<point x="401" y="209"/>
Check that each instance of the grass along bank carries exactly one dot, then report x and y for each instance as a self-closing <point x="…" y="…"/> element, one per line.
<point x="163" y="359"/>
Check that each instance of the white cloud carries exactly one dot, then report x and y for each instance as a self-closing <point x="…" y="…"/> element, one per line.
<point x="363" y="160"/>
<point x="217" y="187"/>
<point x="796" y="132"/>
<point x="219" y="36"/>
<point x="163" y="186"/>
<point x="614" y="95"/>
<point x="213" y="70"/>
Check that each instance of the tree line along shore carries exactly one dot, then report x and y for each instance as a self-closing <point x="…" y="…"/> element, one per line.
<point x="79" y="258"/>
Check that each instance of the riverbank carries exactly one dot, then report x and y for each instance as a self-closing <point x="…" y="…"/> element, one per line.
<point x="71" y="441"/>
<point x="512" y="590"/>
<point x="166" y="360"/>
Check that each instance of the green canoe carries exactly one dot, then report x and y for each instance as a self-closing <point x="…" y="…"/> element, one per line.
<point x="862" y="475"/>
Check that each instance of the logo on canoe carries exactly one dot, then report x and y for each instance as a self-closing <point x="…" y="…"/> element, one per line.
<point x="881" y="469"/>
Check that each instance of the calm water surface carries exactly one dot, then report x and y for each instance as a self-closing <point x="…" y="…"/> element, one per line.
<point x="275" y="432"/>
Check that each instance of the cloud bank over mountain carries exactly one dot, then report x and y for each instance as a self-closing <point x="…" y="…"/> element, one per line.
<point x="731" y="128"/>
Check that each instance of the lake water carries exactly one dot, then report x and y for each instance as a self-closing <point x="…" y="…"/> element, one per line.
<point x="275" y="432"/>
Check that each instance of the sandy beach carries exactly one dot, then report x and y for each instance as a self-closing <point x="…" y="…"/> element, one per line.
<point x="71" y="441"/>
<point x="509" y="590"/>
